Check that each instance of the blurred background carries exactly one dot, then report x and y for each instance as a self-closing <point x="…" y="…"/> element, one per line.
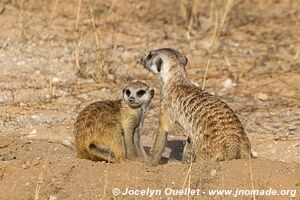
<point x="58" y="56"/>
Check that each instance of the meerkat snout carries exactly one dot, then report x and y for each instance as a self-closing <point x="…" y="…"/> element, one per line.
<point x="152" y="62"/>
<point x="138" y="96"/>
<point x="146" y="58"/>
<point x="131" y="100"/>
<point x="161" y="61"/>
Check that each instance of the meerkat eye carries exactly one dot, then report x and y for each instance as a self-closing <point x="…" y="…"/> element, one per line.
<point x="127" y="92"/>
<point x="140" y="93"/>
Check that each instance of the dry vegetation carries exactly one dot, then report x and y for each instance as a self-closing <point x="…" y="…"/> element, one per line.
<point x="58" y="56"/>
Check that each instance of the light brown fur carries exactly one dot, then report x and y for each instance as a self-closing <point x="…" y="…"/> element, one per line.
<point x="214" y="131"/>
<point x="106" y="130"/>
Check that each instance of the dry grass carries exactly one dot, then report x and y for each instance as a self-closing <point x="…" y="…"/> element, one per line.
<point x="41" y="176"/>
<point x="21" y="18"/>
<point x="251" y="176"/>
<point x="77" y="51"/>
<point x="78" y="14"/>
<point x="101" y="56"/>
<point x="220" y="16"/>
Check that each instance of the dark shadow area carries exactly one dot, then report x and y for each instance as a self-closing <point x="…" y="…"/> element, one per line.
<point x="176" y="147"/>
<point x="147" y="150"/>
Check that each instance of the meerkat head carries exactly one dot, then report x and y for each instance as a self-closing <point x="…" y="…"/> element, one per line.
<point x="164" y="62"/>
<point x="138" y="94"/>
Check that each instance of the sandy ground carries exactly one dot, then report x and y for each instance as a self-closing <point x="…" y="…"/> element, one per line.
<point x="54" y="62"/>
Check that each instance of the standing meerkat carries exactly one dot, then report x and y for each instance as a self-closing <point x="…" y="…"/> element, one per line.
<point x="214" y="131"/>
<point x="109" y="130"/>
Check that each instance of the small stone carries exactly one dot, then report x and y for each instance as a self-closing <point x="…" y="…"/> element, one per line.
<point x="254" y="153"/>
<point x="292" y="128"/>
<point x="263" y="96"/>
<point x="32" y="133"/>
<point x="103" y="89"/>
<point x="35" y="162"/>
<point x="55" y="80"/>
<point x="37" y="72"/>
<point x="21" y="63"/>
<point x="228" y="83"/>
<point x="84" y="96"/>
<point x="41" y="42"/>
<point x="27" y="183"/>
<point x="66" y="142"/>
<point x="2" y="98"/>
<point x="22" y="104"/>
<point x="67" y="51"/>
<point x="26" y="165"/>
<point x="213" y="172"/>
<point x="111" y="77"/>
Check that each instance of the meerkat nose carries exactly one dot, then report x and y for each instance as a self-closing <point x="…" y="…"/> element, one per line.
<point x="131" y="100"/>
<point x="142" y="61"/>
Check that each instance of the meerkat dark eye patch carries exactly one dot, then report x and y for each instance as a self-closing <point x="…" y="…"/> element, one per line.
<point x="149" y="56"/>
<point x="140" y="93"/>
<point x="159" y="64"/>
<point x="127" y="92"/>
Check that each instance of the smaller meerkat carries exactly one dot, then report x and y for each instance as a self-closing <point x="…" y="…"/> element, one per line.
<point x="214" y="131"/>
<point x="109" y="130"/>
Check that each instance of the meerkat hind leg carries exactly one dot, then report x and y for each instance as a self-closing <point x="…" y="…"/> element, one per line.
<point x="189" y="154"/>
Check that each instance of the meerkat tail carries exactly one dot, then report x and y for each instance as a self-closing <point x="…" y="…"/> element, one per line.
<point x="103" y="153"/>
<point x="237" y="151"/>
<point x="246" y="153"/>
<point x="65" y="143"/>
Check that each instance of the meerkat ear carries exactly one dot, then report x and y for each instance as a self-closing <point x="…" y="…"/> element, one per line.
<point x="152" y="93"/>
<point x="184" y="60"/>
<point x="159" y="63"/>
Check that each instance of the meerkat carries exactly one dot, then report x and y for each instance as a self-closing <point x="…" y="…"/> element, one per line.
<point x="109" y="130"/>
<point x="214" y="131"/>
